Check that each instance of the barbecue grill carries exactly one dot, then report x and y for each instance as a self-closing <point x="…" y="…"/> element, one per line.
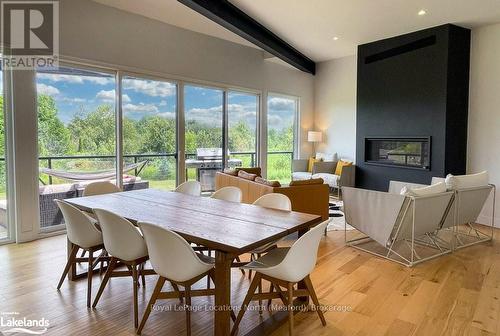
<point x="208" y="161"/>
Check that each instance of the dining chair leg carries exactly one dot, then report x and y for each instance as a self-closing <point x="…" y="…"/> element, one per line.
<point x="90" y="273"/>
<point x="246" y="301"/>
<point x="250" y="271"/>
<point x="111" y="266"/>
<point x="269" y="301"/>
<point x="152" y="300"/>
<point x="238" y="259"/>
<point x="290" y="308"/>
<point x="259" y="290"/>
<point x="70" y="261"/>
<point x="143" y="276"/>
<point x="314" y="298"/>
<point x="176" y="289"/>
<point x="135" y="278"/>
<point x="187" y="290"/>
<point x="83" y="254"/>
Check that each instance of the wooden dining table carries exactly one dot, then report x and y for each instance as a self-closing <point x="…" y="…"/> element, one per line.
<point x="229" y="229"/>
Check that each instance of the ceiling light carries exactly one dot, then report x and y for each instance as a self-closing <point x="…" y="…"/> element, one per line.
<point x="335" y="38"/>
<point x="422" y="12"/>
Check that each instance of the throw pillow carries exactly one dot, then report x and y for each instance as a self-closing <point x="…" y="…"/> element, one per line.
<point x="231" y="171"/>
<point x="424" y="191"/>
<point x="311" y="163"/>
<point x="327" y="157"/>
<point x="467" y="181"/>
<point x="274" y="184"/>
<point x="340" y="165"/>
<point x="246" y="176"/>
<point x="251" y="170"/>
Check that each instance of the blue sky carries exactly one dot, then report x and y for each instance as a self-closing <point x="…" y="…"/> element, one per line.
<point x="79" y="91"/>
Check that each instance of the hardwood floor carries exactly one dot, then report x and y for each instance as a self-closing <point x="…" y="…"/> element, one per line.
<point x="456" y="294"/>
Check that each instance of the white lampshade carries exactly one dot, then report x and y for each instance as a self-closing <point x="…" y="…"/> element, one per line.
<point x="314" y="136"/>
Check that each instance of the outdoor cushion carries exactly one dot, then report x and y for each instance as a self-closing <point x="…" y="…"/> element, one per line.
<point x="424" y="191"/>
<point x="299" y="176"/>
<point x="331" y="179"/>
<point x="467" y="181"/>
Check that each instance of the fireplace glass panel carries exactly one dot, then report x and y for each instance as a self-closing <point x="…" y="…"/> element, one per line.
<point x="404" y="152"/>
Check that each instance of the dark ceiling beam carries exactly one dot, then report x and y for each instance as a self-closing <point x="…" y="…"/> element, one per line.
<point x="231" y="17"/>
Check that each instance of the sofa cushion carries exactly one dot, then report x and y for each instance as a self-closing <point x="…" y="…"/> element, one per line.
<point x="328" y="157"/>
<point x="306" y="182"/>
<point x="300" y="176"/>
<point x="467" y="181"/>
<point x="340" y="165"/>
<point x="252" y="170"/>
<point x="424" y="191"/>
<point x="270" y="183"/>
<point x="231" y="171"/>
<point x="331" y="179"/>
<point x="246" y="176"/>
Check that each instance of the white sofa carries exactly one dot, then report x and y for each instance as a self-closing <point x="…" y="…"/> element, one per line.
<point x="325" y="170"/>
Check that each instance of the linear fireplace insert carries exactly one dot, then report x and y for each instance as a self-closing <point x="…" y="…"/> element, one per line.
<point x="406" y="152"/>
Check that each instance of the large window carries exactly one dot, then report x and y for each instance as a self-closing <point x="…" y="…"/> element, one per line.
<point x="282" y="115"/>
<point x="242" y="123"/>
<point x="76" y="134"/>
<point x="4" y="224"/>
<point x="149" y="110"/>
<point x="203" y="133"/>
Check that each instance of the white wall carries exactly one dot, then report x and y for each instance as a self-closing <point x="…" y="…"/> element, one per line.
<point x="484" y="109"/>
<point x="100" y="33"/>
<point x="335" y="106"/>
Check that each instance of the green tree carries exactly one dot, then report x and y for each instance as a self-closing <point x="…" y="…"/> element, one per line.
<point x="53" y="136"/>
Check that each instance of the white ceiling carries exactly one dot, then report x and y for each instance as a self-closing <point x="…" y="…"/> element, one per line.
<point x="310" y="25"/>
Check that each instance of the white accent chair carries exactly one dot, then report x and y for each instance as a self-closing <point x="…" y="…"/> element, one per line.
<point x="124" y="242"/>
<point x="285" y="267"/>
<point x="192" y="188"/>
<point x="230" y="194"/>
<point x="100" y="188"/>
<point x="470" y="199"/>
<point x="174" y="260"/>
<point x="83" y="234"/>
<point x="395" y="225"/>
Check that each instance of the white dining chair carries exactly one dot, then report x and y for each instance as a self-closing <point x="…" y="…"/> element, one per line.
<point x="286" y="267"/>
<point x="230" y="194"/>
<point x="126" y="245"/>
<point x="270" y="201"/>
<point x="192" y="188"/>
<point x="100" y="188"/>
<point x="173" y="258"/>
<point x="83" y="234"/>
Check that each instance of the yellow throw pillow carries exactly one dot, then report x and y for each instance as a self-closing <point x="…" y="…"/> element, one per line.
<point x="311" y="164"/>
<point x="340" y="165"/>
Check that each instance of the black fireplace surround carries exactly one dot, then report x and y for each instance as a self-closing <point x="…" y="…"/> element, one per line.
<point x="412" y="89"/>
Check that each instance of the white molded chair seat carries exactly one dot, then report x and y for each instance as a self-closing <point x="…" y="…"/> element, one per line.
<point x="100" y="188"/>
<point x="230" y="194"/>
<point x="121" y="238"/>
<point x="192" y="188"/>
<point x="274" y="201"/>
<point x="294" y="263"/>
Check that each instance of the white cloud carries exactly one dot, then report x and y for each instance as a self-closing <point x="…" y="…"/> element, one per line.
<point x="150" y="88"/>
<point x="47" y="89"/>
<point x="73" y="100"/>
<point x="108" y="96"/>
<point x="141" y="107"/>
<point x="163" y="103"/>
<point x="74" y="79"/>
<point x="167" y="115"/>
<point x="281" y="104"/>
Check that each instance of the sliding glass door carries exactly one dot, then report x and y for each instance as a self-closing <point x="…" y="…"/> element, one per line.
<point x="4" y="223"/>
<point x="203" y="115"/>
<point x="76" y="135"/>
<point x="149" y="109"/>
<point x="242" y="111"/>
<point x="282" y="115"/>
